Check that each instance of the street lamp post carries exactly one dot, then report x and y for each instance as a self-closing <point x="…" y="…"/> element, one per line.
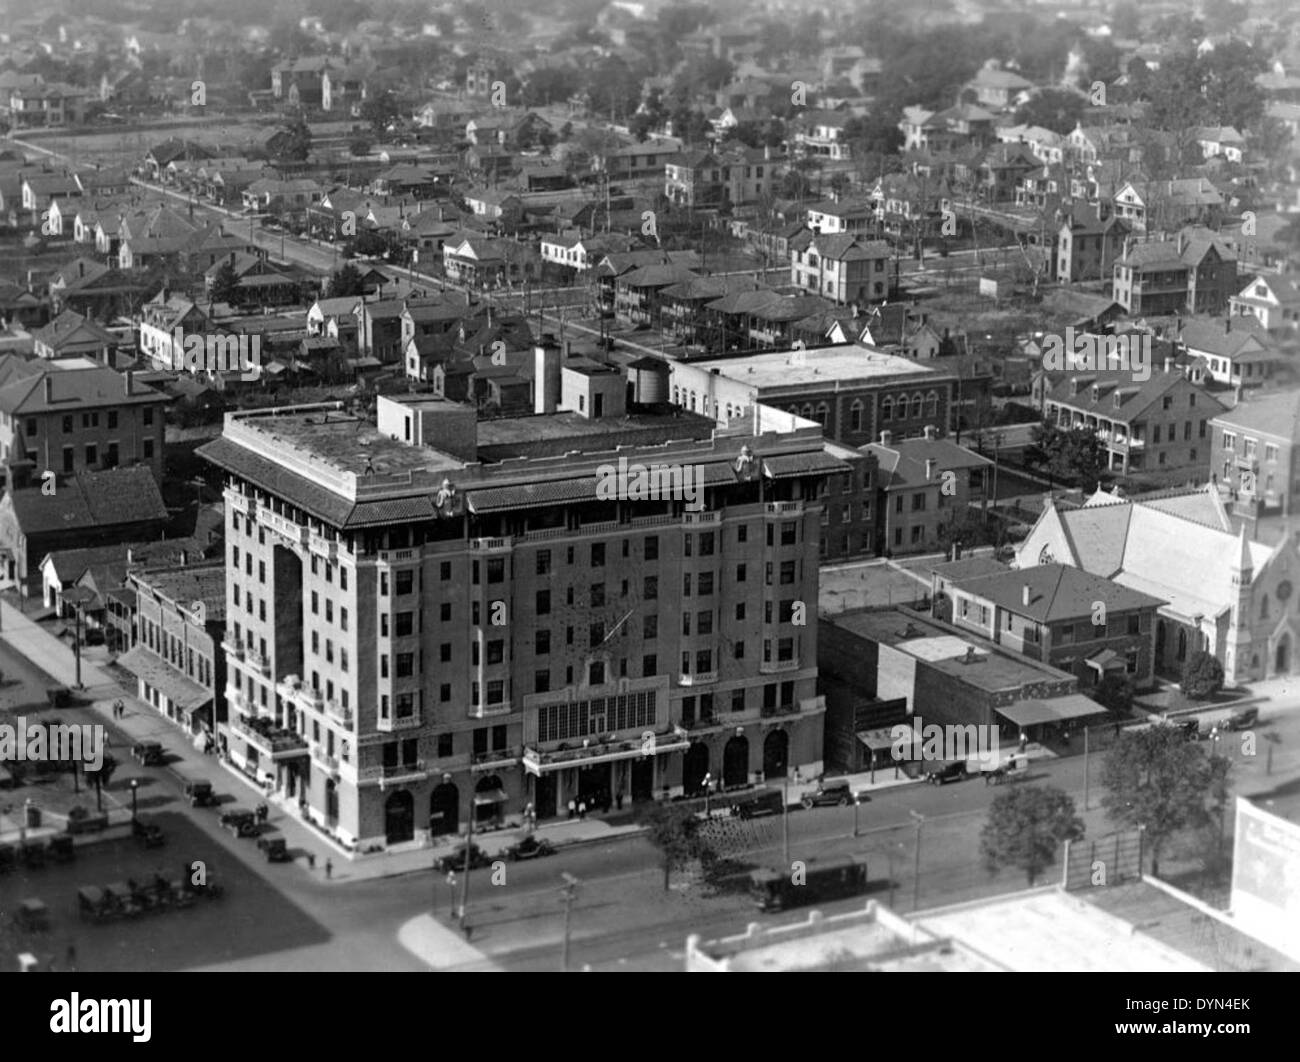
<point x="785" y="818"/>
<point x="857" y="806"/>
<point x="76" y="644"/>
<point x="135" y="788"/>
<point x="464" y="885"/>
<point x="708" y="784"/>
<point x="451" y="892"/>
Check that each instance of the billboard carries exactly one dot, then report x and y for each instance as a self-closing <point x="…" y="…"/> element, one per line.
<point x="1266" y="878"/>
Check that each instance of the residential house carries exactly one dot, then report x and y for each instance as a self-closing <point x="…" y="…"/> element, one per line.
<point x="1166" y="205"/>
<point x="923" y="491"/>
<point x="118" y="505"/>
<point x="1221" y="142"/>
<point x="1069" y="618"/>
<point x="1143" y="425"/>
<point x="1238" y="351"/>
<point x="1256" y="454"/>
<point x="842" y="267"/>
<point x="1087" y="246"/>
<point x="1195" y="272"/>
<point x="821" y="134"/>
<point x="71" y="335"/>
<point x="1274" y="301"/>
<point x="996" y="88"/>
<point x="73" y="420"/>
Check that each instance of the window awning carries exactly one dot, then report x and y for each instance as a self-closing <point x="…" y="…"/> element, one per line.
<point x="1031" y="712"/>
<point x="183" y="692"/>
<point x="1106" y="660"/>
<point x="491" y="796"/>
<point x="883" y="738"/>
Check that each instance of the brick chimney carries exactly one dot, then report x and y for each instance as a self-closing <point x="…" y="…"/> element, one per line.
<point x="49" y="388"/>
<point x="930" y="463"/>
<point x="1024" y="595"/>
<point x="129" y="380"/>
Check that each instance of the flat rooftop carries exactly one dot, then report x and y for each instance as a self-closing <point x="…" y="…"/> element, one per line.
<point x="816" y="365"/>
<point x="943" y="650"/>
<point x="1049" y="931"/>
<point x="504" y="431"/>
<point x="349" y="443"/>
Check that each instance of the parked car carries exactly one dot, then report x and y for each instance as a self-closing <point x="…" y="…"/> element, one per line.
<point x="769" y="802"/>
<point x="455" y="860"/>
<point x="1242" y="719"/>
<point x="198" y="793"/>
<point x="275" y="847"/>
<point x="829" y="791"/>
<point x="147" y="834"/>
<point x="948" y="771"/>
<point x="148" y="754"/>
<point x="240" y="822"/>
<point x="529" y="848"/>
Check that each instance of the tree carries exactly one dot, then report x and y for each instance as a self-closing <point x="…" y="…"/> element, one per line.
<point x="1056" y="109"/>
<point x="675" y="831"/>
<point x="297" y="145"/>
<point x="1156" y="779"/>
<point x="1068" y="455"/>
<point x="359" y="147"/>
<point x="1115" y="692"/>
<point x="380" y="111"/>
<point x="1026" y="825"/>
<point x="1202" y="676"/>
<point x="347" y="281"/>
<point x="225" y="285"/>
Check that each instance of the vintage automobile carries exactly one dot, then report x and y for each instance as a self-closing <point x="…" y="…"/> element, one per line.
<point x="61" y="848"/>
<point x="529" y="848"/>
<point x="829" y="791"/>
<point x="1242" y="719"/>
<point x="198" y="793"/>
<point x="948" y="771"/>
<point x="121" y="899"/>
<point x="455" y="860"/>
<point x="33" y="916"/>
<point x="1009" y="770"/>
<point x="275" y="847"/>
<point x="240" y="821"/>
<point x="147" y="834"/>
<point x="148" y="754"/>
<point x="208" y="888"/>
<point x="95" y="903"/>
<point x="769" y="802"/>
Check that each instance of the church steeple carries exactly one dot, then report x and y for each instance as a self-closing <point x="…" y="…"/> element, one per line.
<point x="1243" y="568"/>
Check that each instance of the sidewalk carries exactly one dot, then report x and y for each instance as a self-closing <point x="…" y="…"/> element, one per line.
<point x="142" y="723"/>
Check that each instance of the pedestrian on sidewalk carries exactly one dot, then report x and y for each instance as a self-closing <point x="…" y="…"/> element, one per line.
<point x="618" y="799"/>
<point x="573" y="807"/>
<point x="582" y="809"/>
<point x="329" y="869"/>
<point x="1024" y="740"/>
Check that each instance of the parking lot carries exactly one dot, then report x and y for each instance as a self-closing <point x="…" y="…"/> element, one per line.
<point x="252" y="918"/>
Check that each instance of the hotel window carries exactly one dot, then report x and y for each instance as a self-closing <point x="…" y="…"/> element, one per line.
<point x="887" y="408"/>
<point x="404" y="582"/>
<point x="543" y="603"/>
<point x="855" y="416"/>
<point x="1229" y="441"/>
<point x="1270" y="452"/>
<point x="652" y="547"/>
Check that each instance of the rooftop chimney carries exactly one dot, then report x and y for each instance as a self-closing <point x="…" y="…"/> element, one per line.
<point x="886" y="438"/>
<point x="930" y="462"/>
<point x="1227" y="325"/>
<point x="49" y="388"/>
<point x="129" y="379"/>
<point x="1024" y="596"/>
<point x="1169" y="363"/>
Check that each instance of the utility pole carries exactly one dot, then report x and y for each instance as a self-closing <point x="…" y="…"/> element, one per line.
<point x="569" y="893"/>
<point x="1085" y="768"/>
<point x="77" y="645"/>
<point x="916" y="868"/>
